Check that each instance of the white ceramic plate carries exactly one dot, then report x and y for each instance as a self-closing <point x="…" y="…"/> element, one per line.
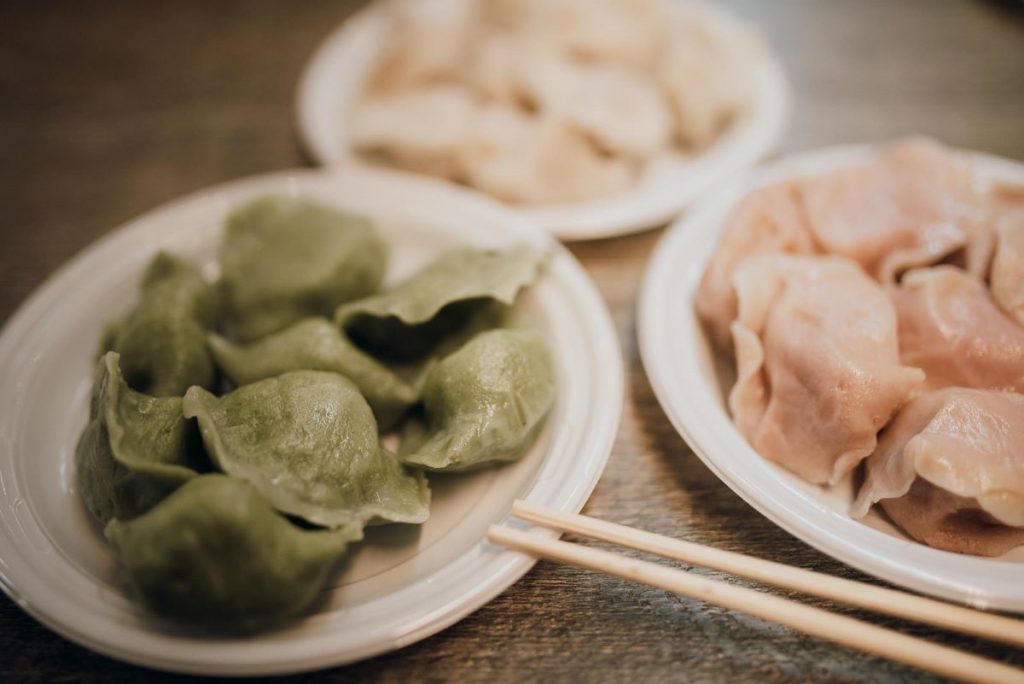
<point x="691" y="384"/>
<point x="334" y="79"/>
<point x="405" y="582"/>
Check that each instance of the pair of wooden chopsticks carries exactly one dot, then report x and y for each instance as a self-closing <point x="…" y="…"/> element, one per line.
<point x="815" y="621"/>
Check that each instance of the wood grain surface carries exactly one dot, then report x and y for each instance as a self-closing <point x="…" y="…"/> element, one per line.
<point x="109" y="108"/>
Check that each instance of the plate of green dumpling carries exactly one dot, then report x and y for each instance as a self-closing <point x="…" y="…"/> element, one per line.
<point x="264" y="428"/>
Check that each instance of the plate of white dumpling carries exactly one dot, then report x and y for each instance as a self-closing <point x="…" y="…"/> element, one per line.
<point x="840" y="338"/>
<point x="592" y="118"/>
<point x="264" y="428"/>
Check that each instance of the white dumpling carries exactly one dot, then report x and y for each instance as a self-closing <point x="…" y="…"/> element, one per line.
<point x="817" y="363"/>
<point x="1007" y="275"/>
<point x="506" y="14"/>
<point x="499" y="154"/>
<point x="621" y="31"/>
<point x="417" y="129"/>
<point x="517" y="157"/>
<point x="619" y="108"/>
<point x="602" y="86"/>
<point x="427" y="43"/>
<point x="705" y="70"/>
<point x="913" y="205"/>
<point x="950" y="327"/>
<point x="769" y="219"/>
<point x="949" y="470"/>
<point x="494" y="69"/>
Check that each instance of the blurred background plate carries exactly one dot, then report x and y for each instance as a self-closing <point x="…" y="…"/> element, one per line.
<point x="404" y="582"/>
<point x="333" y="81"/>
<point x="691" y="382"/>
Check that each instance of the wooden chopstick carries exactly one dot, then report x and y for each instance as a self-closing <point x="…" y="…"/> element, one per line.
<point x="877" y="599"/>
<point x="840" y="629"/>
<point x="808" y="619"/>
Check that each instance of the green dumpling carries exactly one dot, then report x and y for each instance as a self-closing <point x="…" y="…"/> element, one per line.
<point x="308" y="442"/>
<point x="135" y="449"/>
<point x="214" y="553"/>
<point x="483" y="404"/>
<point x="459" y="294"/>
<point x="317" y="344"/>
<point x="283" y="259"/>
<point x="162" y="343"/>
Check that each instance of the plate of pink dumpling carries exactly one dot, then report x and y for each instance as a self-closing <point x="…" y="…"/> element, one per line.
<point x="840" y="338"/>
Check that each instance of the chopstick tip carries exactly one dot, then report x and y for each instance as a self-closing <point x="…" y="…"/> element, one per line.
<point x="494" y="534"/>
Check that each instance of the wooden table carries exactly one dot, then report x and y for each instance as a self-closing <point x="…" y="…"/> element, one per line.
<point x="110" y="108"/>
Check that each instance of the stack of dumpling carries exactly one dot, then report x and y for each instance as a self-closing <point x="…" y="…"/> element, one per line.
<point x="543" y="101"/>
<point x="233" y="449"/>
<point x="876" y="314"/>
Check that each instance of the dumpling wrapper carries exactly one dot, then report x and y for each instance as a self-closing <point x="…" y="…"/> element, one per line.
<point x="459" y="293"/>
<point x="215" y="554"/>
<point x="494" y="69"/>
<point x="486" y="403"/>
<point x="950" y="327"/>
<point x="1007" y="275"/>
<point x="308" y="442"/>
<point x="530" y="159"/>
<point x="318" y="344"/>
<point x="162" y="342"/>
<point x="135" y="449"/>
<point x="614" y="31"/>
<point x="417" y="129"/>
<point x="949" y="470"/>
<point x="913" y="205"/>
<point x="283" y="259"/>
<point x="620" y="109"/>
<point x="428" y="43"/>
<point x="705" y="72"/>
<point x="818" y="368"/>
<point x="769" y="219"/>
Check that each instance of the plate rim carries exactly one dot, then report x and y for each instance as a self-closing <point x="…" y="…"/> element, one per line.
<point x="508" y="566"/>
<point x="733" y="152"/>
<point x="658" y="342"/>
